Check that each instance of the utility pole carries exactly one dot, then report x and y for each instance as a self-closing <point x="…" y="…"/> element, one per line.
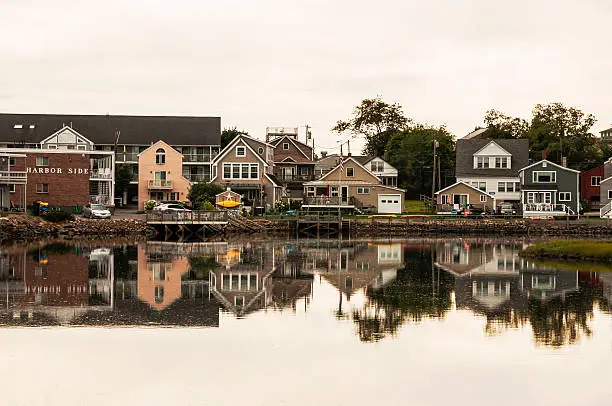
<point x="307" y="133"/>
<point x="433" y="178"/>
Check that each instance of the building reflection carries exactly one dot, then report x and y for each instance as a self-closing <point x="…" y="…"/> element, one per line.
<point x="492" y="280"/>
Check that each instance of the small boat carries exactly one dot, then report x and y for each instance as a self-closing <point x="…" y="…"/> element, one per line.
<point x="228" y="204"/>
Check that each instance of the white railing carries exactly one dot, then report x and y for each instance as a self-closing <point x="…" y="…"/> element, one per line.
<point x="103" y="173"/>
<point x="160" y="184"/>
<point x="13" y="177"/>
<point x="547" y="207"/>
<point x="605" y="209"/>
<point x="100" y="199"/>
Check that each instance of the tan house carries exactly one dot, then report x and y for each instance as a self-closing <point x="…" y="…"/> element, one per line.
<point x="246" y="166"/>
<point x="458" y="196"/>
<point x="160" y="175"/>
<point x="351" y="186"/>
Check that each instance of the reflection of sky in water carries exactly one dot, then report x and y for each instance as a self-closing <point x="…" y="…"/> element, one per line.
<point x="443" y="323"/>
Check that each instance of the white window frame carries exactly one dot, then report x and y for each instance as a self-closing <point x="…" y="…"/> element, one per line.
<point x="42" y="161"/>
<point x="501" y="187"/>
<point x="610" y="194"/>
<point x="334" y="191"/>
<point x="565" y="196"/>
<point x="535" y="175"/>
<point x="240" y="148"/>
<point x="240" y="165"/>
<point x="352" y="174"/>
<point x="260" y="150"/>
<point x="285" y="146"/>
<point x="310" y="191"/>
<point x="363" y="190"/>
<point x="482" y="162"/>
<point x="12" y="188"/>
<point x="483" y="198"/>
<point x="444" y="199"/>
<point x="595" y="180"/>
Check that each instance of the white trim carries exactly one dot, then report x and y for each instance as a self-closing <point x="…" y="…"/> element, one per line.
<point x="350" y="158"/>
<point x="286" y="160"/>
<point x="294" y="143"/>
<point x="244" y="154"/>
<point x="492" y="142"/>
<point x="547" y="162"/>
<point x="270" y="179"/>
<point x="463" y="183"/>
<point x="72" y="130"/>
<point x="229" y="147"/>
<point x="152" y="146"/>
<point x="240" y="164"/>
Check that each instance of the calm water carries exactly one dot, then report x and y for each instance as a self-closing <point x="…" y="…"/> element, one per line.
<point x="411" y="322"/>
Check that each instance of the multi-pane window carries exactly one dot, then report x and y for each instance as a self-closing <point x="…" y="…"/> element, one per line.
<point x="334" y="191"/>
<point x="350" y="171"/>
<point x="480" y="185"/>
<point x="544" y="177"/>
<point x="42" y="188"/>
<point x="501" y="162"/>
<point x="240" y="171"/>
<point x="483" y="198"/>
<point x="240" y="151"/>
<point x="377" y="166"/>
<point x="445" y="199"/>
<point x="507" y="187"/>
<point x="310" y="191"/>
<point x="565" y="196"/>
<point x="595" y="180"/>
<point x="482" y="162"/>
<point x="160" y="156"/>
<point x="42" y="161"/>
<point x="363" y="190"/>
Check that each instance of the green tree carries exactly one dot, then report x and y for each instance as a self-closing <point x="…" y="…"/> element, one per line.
<point x="123" y="177"/>
<point x="503" y="126"/>
<point x="228" y="134"/>
<point x="555" y="128"/>
<point x="203" y="192"/>
<point x="377" y="121"/>
<point x="411" y="153"/>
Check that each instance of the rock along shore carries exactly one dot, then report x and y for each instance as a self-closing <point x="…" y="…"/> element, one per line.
<point x="27" y="228"/>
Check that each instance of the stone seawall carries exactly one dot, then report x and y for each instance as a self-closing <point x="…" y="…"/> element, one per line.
<point x="402" y="227"/>
<point x="26" y="228"/>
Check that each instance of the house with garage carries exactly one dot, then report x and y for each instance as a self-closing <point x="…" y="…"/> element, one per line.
<point x="351" y="187"/>
<point x="456" y="198"/>
<point x="378" y="166"/>
<point x="492" y="165"/>
<point x="293" y="160"/>
<point x="549" y="189"/>
<point x="246" y="165"/>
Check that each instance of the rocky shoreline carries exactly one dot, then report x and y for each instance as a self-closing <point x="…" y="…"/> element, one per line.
<point x="20" y="228"/>
<point x="26" y="228"/>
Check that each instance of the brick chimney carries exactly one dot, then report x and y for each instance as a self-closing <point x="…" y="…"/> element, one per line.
<point x="544" y="155"/>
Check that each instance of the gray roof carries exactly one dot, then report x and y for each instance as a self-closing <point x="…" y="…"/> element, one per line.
<point x="476" y="134"/>
<point x="466" y="148"/>
<point x="134" y="130"/>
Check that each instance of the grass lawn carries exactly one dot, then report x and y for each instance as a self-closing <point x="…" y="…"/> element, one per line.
<point x="571" y="249"/>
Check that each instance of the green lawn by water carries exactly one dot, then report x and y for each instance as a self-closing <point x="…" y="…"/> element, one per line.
<point x="571" y="249"/>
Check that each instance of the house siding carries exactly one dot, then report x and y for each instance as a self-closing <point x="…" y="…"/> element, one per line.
<point x="566" y="181"/>
<point x="473" y="196"/>
<point x="587" y="191"/>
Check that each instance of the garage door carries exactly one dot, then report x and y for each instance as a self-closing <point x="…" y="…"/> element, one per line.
<point x="390" y="204"/>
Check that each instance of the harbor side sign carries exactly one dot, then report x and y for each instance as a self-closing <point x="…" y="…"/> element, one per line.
<point x="58" y="171"/>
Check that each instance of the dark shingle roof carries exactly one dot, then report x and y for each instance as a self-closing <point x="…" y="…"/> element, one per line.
<point x="135" y="130"/>
<point x="467" y="147"/>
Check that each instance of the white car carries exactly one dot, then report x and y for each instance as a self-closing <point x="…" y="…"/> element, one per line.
<point x="171" y="207"/>
<point x="96" y="211"/>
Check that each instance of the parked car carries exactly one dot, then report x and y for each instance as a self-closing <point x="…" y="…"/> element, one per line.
<point x="507" y="209"/>
<point x="472" y="211"/>
<point x="171" y="207"/>
<point x="97" y="211"/>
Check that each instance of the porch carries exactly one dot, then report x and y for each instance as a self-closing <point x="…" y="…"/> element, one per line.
<point x="546" y="210"/>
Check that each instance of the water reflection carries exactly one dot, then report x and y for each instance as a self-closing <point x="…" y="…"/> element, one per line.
<point x="377" y="287"/>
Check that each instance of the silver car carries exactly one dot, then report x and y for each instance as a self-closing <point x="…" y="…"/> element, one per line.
<point x="96" y="211"/>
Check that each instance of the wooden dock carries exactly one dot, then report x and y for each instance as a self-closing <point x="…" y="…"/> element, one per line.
<point x="320" y="225"/>
<point x="188" y="225"/>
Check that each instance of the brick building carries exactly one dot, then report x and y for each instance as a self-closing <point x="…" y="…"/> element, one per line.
<point x="64" y="179"/>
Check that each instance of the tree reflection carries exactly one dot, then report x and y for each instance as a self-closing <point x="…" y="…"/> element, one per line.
<point x="416" y="293"/>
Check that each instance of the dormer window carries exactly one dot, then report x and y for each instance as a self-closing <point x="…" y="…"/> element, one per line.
<point x="160" y="156"/>
<point x="482" y="162"/>
<point x="501" y="162"/>
<point x="240" y="151"/>
<point x="377" y="166"/>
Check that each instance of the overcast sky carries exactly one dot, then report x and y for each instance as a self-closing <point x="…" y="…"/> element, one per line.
<point x="277" y="62"/>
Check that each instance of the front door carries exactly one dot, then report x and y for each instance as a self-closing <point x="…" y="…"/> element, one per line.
<point x="345" y="194"/>
<point x="461" y="200"/>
